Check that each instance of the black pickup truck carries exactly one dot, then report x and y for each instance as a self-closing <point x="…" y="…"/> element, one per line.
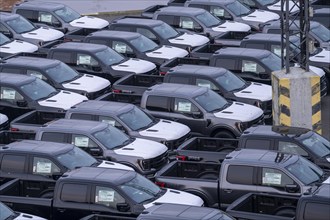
<point x="242" y="171"/>
<point x="310" y="206"/>
<point x="90" y="190"/>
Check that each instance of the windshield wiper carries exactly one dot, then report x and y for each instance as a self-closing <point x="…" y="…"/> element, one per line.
<point x="222" y="108"/>
<point x="49" y="95"/>
<point x="146" y="126"/>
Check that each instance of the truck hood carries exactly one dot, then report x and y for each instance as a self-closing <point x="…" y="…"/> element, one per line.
<point x="168" y="52"/>
<point x="135" y="65"/>
<point x="88" y="83"/>
<point x="277" y="7"/>
<point x="261" y="16"/>
<point x="114" y="165"/>
<point x="25" y="216"/>
<point x="323" y="56"/>
<point x="89" y="22"/>
<point x="177" y="197"/>
<point x="18" y="46"/>
<point x="44" y="34"/>
<point x="327" y="181"/>
<point x="315" y="69"/>
<point x="143" y="148"/>
<point x="166" y="129"/>
<point x="258" y="91"/>
<point x="63" y="100"/>
<point x="232" y="26"/>
<point x="3" y="118"/>
<point x="193" y="40"/>
<point x="240" y="111"/>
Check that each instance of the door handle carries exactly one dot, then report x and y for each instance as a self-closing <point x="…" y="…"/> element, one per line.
<point x="228" y="190"/>
<point x="61" y="210"/>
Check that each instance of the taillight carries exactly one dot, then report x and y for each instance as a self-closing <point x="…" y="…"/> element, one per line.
<point x="14" y="129"/>
<point x="180" y="157"/>
<point x="162" y="73"/>
<point x="116" y="91"/>
<point x="160" y="184"/>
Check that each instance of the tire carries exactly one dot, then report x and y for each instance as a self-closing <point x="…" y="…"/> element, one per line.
<point x="209" y="176"/>
<point x="286" y="212"/>
<point x="224" y="134"/>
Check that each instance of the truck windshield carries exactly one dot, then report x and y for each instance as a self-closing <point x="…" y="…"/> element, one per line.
<point x="305" y="171"/>
<point x="109" y="56"/>
<point x="207" y="19"/>
<point x="67" y="14"/>
<point x="317" y="144"/>
<point x="143" y="44"/>
<point x="136" y="119"/>
<point x="238" y="9"/>
<point x="62" y="73"/>
<point x="230" y="82"/>
<point x="267" y="2"/>
<point x="76" y="158"/>
<point x="20" y="25"/>
<point x="112" y="137"/>
<point x="211" y="101"/>
<point x="6" y="213"/>
<point x="166" y="31"/>
<point x="272" y="61"/>
<point x="3" y="39"/>
<point x="140" y="189"/>
<point x="321" y="32"/>
<point x="38" y="89"/>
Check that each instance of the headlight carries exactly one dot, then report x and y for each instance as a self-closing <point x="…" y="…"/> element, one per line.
<point x="328" y="159"/>
<point x="145" y="164"/>
<point x="258" y="104"/>
<point x="241" y="126"/>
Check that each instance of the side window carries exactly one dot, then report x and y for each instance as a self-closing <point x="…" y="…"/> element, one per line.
<point x="291" y="148"/>
<point x="44" y="166"/>
<point x="277" y="50"/>
<point x="157" y="103"/>
<point x="258" y="144"/>
<point x="251" y="66"/>
<point x="54" y="137"/>
<point x="74" y="193"/>
<point x="255" y="46"/>
<point x="4" y="29"/>
<point x="121" y="28"/>
<point x="82" y="116"/>
<point x="108" y="197"/>
<point x="110" y="121"/>
<point x="97" y="41"/>
<point x="36" y="74"/>
<point x="47" y="18"/>
<point x="184" y="106"/>
<point x="62" y="56"/>
<point x="187" y="23"/>
<point x="198" y="6"/>
<point x="313" y="210"/>
<point x="13" y="163"/>
<point x="249" y="3"/>
<point x="86" y="60"/>
<point x="275" y="178"/>
<point x="146" y="33"/>
<point x="229" y="64"/>
<point x="82" y="141"/>
<point x="121" y="47"/>
<point x="178" y="79"/>
<point x="169" y="19"/>
<point x="240" y="175"/>
<point x="206" y="83"/>
<point x="12" y="70"/>
<point x="10" y="94"/>
<point x="217" y="11"/>
<point x="28" y="14"/>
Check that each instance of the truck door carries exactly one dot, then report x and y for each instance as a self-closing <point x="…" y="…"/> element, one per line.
<point x="251" y="70"/>
<point x="13" y="166"/>
<point x="87" y="63"/>
<point x="87" y="144"/>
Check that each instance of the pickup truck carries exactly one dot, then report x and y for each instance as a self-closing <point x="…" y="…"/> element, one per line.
<point x="294" y="140"/>
<point x="8" y="213"/>
<point x="241" y="172"/>
<point x="89" y="190"/>
<point x="9" y="46"/>
<point x="258" y="206"/>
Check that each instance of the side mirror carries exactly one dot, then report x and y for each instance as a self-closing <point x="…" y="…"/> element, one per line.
<point x="96" y="68"/>
<point x="291" y="188"/>
<point x="228" y="17"/>
<point x="56" y="175"/>
<point x="198" y="29"/>
<point x="95" y="151"/>
<point x="123" y="207"/>
<point x="21" y="103"/>
<point x="56" y="24"/>
<point x="7" y="34"/>
<point x="197" y="114"/>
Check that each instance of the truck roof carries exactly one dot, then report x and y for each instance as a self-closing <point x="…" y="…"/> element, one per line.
<point x="267" y="37"/>
<point x="70" y="125"/>
<point x="176" y="90"/>
<point x="115" y="34"/>
<point x="254" y="156"/>
<point x="46" y="6"/>
<point x="15" y="79"/>
<point x="323" y="191"/>
<point x="80" y="46"/>
<point x="100" y="107"/>
<point x="245" y="52"/>
<point x="197" y="70"/>
<point x="115" y="176"/>
<point x="218" y="2"/>
<point x="31" y="61"/>
<point x="5" y="16"/>
<point x="139" y="21"/>
<point x="277" y="25"/>
<point x="41" y="147"/>
<point x="177" y="10"/>
<point x="277" y="131"/>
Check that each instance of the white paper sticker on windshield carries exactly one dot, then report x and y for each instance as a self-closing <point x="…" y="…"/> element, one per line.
<point x="84" y="59"/>
<point x="249" y="67"/>
<point x="110" y="122"/>
<point x="120" y="48"/>
<point x="187" y="24"/>
<point x="36" y="74"/>
<point x="218" y="12"/>
<point x="8" y="94"/>
<point x="272" y="178"/>
<point x="208" y="85"/>
<point x="184" y="106"/>
<point x="44" y="167"/>
<point x="81" y="141"/>
<point x="45" y="18"/>
<point x="106" y="196"/>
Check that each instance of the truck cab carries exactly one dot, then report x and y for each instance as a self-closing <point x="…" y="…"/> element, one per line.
<point x="10" y="47"/>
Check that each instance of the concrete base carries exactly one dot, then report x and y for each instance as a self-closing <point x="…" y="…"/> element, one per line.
<point x="297" y="99"/>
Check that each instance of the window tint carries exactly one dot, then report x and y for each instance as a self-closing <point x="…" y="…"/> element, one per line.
<point x="291" y="148"/>
<point x="276" y="49"/>
<point x="29" y="14"/>
<point x="240" y="175"/>
<point x="121" y="47"/>
<point x="13" y="163"/>
<point x="276" y="178"/>
<point x="11" y="70"/>
<point x="44" y="166"/>
<point x="219" y="11"/>
<point x="206" y="83"/>
<point x="82" y="116"/>
<point x="46" y="17"/>
<point x="169" y="19"/>
<point x="120" y="28"/>
<point x="251" y="66"/>
<point x="108" y="197"/>
<point x="184" y="106"/>
<point x="255" y="46"/>
<point x="36" y="74"/>
<point x="258" y="144"/>
<point x="110" y="121"/>
<point x="157" y="103"/>
<point x="85" y="59"/>
<point x="226" y="63"/>
<point x="187" y="23"/>
<point x="74" y="193"/>
<point x="10" y="94"/>
<point x="62" y="56"/>
<point x="146" y="33"/>
<point x="82" y="141"/>
<point x="54" y="136"/>
<point x="178" y="79"/>
<point x="317" y="211"/>
<point x="97" y="41"/>
<point x="198" y="6"/>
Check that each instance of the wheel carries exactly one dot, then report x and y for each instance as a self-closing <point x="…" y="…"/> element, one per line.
<point x="224" y="134"/>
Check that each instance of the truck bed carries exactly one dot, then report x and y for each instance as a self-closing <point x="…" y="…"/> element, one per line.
<point x="149" y="11"/>
<point x="121" y="97"/>
<point x="166" y="66"/>
<point x="7" y="137"/>
<point x="206" y="51"/>
<point x="78" y="35"/>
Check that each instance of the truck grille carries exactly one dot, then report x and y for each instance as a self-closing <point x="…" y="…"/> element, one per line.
<point x="152" y="72"/>
<point x="96" y="94"/>
<point x="258" y="121"/>
<point x="157" y="162"/>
